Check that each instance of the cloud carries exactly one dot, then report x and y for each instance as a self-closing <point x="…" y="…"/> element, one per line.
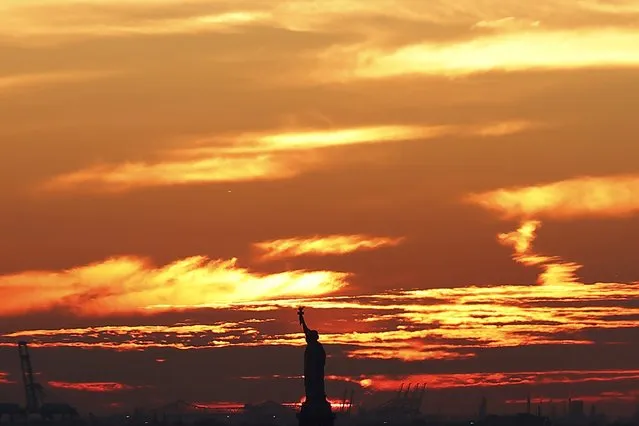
<point x="131" y="284"/>
<point x="309" y="140"/>
<point x="432" y="324"/>
<point x="614" y="7"/>
<point x="100" y="387"/>
<point x="608" y="196"/>
<point x="512" y="51"/>
<point x="255" y="156"/>
<point x="322" y="245"/>
<point x="10" y="83"/>
<point x="386" y="383"/>
<point x="462" y="380"/>
<point x="127" y="176"/>
<point x="441" y="323"/>
<point x="50" y="22"/>
<point x="125" y="338"/>
<point x="509" y="22"/>
<point x="555" y="272"/>
<point x="28" y="18"/>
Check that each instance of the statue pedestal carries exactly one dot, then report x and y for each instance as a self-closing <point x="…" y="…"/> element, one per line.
<point x="316" y="413"/>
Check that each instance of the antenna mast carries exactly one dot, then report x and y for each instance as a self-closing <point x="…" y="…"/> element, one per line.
<point x="30" y="386"/>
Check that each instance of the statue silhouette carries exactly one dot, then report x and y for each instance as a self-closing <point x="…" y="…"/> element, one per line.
<point x="314" y="362"/>
<point x="316" y="410"/>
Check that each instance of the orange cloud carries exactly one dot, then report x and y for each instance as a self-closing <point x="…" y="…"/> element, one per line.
<point x="510" y="23"/>
<point x="318" y="245"/>
<point x="93" y="386"/>
<point x="22" y="81"/>
<point x="445" y="323"/>
<point x="385" y="383"/>
<point x="555" y="270"/>
<point x="219" y="406"/>
<point x="255" y="156"/>
<point x="527" y="49"/>
<point x="308" y="140"/>
<point x="461" y="380"/>
<point x="579" y="197"/>
<point x="123" y="330"/>
<point x="228" y="406"/>
<point x="123" y="177"/>
<point x="131" y="284"/>
<point x="24" y="21"/>
<point x="441" y="323"/>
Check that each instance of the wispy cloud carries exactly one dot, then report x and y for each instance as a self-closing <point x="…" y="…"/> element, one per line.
<point x="556" y="271"/>
<point x="445" y="381"/>
<point x="128" y="176"/>
<point x="467" y="380"/>
<point x="99" y="387"/>
<point x="131" y="284"/>
<point x="256" y="156"/>
<point x="509" y="22"/>
<point x="513" y="51"/>
<point x="440" y="323"/>
<point x="9" y="83"/>
<point x="608" y="196"/>
<point x="32" y="22"/>
<point x="102" y="18"/>
<point x="322" y="245"/>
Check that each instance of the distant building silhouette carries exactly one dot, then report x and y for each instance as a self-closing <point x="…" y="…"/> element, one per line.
<point x="483" y="408"/>
<point x="576" y="409"/>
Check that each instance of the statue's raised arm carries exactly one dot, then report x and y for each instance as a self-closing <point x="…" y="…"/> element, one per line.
<point x="311" y="335"/>
<point x="300" y="314"/>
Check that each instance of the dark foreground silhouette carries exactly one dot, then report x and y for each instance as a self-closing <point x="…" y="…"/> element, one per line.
<point x="316" y="410"/>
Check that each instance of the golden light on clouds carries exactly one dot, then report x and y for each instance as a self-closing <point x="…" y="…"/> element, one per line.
<point x="256" y="156"/>
<point x="435" y="324"/>
<point x="25" y="21"/>
<point x="322" y="245"/>
<point x="555" y="271"/>
<point x="530" y="378"/>
<point x="513" y="51"/>
<point x="393" y="383"/>
<point x="416" y="325"/>
<point x="127" y="176"/>
<point x="340" y="137"/>
<point x="567" y="199"/>
<point x="178" y="330"/>
<point x="131" y="284"/>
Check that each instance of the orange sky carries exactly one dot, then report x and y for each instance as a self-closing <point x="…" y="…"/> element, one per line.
<point x="451" y="190"/>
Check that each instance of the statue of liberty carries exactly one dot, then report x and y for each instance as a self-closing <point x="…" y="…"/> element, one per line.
<point x="316" y="410"/>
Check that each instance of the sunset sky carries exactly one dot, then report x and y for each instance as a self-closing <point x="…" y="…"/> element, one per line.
<point x="451" y="188"/>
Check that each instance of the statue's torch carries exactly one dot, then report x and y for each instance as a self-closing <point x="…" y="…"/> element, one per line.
<point x="300" y="314"/>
